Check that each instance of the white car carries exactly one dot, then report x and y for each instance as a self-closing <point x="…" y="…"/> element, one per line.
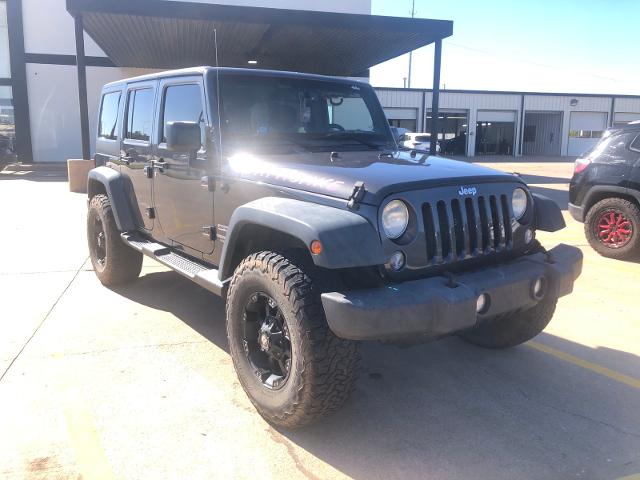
<point x="417" y="141"/>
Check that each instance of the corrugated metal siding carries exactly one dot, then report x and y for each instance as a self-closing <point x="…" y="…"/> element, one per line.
<point x="400" y="98"/>
<point x="627" y="104"/>
<point x="472" y="102"/>
<point x="548" y="132"/>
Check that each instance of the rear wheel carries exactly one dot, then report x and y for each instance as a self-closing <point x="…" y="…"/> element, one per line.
<point x="113" y="261"/>
<point x="514" y="328"/>
<point x="293" y="368"/>
<point x="612" y="228"/>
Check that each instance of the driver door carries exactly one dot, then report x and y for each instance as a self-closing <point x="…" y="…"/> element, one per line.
<point x="182" y="197"/>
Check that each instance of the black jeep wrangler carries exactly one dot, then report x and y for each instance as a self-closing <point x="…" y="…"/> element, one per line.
<point x="605" y="193"/>
<point x="287" y="195"/>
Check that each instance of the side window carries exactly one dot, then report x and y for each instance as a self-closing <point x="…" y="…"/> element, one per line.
<point x="635" y="145"/>
<point x="139" y="114"/>
<point x="109" y="116"/>
<point x="182" y="103"/>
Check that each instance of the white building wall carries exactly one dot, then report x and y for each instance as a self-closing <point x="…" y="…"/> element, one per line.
<point x="53" y="91"/>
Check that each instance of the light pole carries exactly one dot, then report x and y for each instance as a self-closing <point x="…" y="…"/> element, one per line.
<point x="413" y="14"/>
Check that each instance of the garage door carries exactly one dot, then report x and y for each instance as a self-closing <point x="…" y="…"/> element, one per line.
<point x="496" y="116"/>
<point x="622" y="118"/>
<point x="585" y="129"/>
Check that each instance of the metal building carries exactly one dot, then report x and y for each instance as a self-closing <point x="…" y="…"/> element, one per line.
<point x="473" y="122"/>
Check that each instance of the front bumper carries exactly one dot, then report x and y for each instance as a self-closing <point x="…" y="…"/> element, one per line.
<point x="421" y="310"/>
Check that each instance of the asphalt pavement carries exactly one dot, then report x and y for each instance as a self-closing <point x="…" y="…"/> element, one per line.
<point x="136" y="382"/>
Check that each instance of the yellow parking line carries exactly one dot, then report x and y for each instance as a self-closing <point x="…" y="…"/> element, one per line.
<point x="594" y="367"/>
<point x="91" y="459"/>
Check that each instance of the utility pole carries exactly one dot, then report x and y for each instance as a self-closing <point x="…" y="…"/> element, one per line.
<point x="413" y="14"/>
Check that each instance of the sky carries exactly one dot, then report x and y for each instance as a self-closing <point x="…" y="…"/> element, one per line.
<point x="588" y="46"/>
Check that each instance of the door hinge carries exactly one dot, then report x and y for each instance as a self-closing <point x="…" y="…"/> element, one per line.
<point x="208" y="183"/>
<point x="209" y="231"/>
<point x="356" y="195"/>
<point x="151" y="212"/>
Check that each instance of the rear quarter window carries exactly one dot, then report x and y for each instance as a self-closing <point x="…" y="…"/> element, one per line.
<point x="635" y="144"/>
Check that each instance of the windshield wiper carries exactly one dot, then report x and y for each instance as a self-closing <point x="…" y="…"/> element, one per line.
<point x="353" y="136"/>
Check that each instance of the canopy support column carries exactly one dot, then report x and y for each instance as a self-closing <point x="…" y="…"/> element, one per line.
<point x="82" y="87"/>
<point x="435" y="99"/>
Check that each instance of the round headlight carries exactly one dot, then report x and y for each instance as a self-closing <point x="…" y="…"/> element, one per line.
<point x="395" y="218"/>
<point x="519" y="202"/>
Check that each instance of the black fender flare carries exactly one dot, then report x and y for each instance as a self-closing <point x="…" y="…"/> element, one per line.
<point x="348" y="239"/>
<point x="114" y="184"/>
<point x="548" y="216"/>
<point x="609" y="191"/>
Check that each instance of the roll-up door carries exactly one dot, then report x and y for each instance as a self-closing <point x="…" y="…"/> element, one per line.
<point x="585" y="130"/>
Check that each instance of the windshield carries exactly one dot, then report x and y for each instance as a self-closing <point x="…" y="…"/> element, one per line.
<point x="265" y="112"/>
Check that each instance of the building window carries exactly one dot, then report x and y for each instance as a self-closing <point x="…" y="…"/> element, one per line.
<point x="409" y="124"/>
<point x="5" y="67"/>
<point x="109" y="116"/>
<point x="182" y="103"/>
<point x="139" y="114"/>
<point x="585" y="133"/>
<point x="7" y="126"/>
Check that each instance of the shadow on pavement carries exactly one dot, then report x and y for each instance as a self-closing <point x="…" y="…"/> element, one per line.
<point x="168" y="291"/>
<point x="449" y="409"/>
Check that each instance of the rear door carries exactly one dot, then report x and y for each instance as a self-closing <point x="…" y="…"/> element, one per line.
<point x="183" y="201"/>
<point x="136" y="151"/>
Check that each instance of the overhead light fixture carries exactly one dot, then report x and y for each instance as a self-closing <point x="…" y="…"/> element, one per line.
<point x="252" y="62"/>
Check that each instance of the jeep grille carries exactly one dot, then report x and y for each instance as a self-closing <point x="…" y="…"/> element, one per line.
<point x="458" y="229"/>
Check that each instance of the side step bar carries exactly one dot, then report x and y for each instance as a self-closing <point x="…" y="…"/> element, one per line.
<point x="201" y="274"/>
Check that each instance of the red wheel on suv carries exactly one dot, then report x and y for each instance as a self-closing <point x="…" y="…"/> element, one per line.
<point x="612" y="227"/>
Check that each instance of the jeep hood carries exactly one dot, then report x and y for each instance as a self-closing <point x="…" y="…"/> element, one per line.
<point x="382" y="175"/>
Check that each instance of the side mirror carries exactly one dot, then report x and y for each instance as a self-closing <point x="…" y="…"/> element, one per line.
<point x="183" y="136"/>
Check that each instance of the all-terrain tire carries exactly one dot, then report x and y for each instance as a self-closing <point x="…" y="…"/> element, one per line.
<point x="622" y="209"/>
<point x="514" y="328"/>
<point x="323" y="368"/>
<point x="113" y="261"/>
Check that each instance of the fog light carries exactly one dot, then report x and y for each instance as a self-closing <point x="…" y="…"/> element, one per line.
<point x="528" y="235"/>
<point x="539" y="287"/>
<point x="482" y="304"/>
<point x="397" y="261"/>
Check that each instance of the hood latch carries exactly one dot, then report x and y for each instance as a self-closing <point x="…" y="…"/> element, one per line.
<point x="356" y="195"/>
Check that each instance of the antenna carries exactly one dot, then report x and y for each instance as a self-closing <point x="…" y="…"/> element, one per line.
<point x="215" y="40"/>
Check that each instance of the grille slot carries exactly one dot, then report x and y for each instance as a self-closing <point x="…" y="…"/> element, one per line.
<point x="458" y="229"/>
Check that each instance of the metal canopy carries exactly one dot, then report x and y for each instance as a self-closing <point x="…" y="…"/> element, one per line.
<point x="172" y="34"/>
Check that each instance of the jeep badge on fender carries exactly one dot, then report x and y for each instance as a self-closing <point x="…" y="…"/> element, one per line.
<point x="319" y="231"/>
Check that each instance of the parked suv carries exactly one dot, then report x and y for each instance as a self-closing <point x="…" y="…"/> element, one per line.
<point x="286" y="194"/>
<point x="605" y="193"/>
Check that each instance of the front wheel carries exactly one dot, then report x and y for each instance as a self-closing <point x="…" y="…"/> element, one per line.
<point x="612" y="227"/>
<point x="514" y="328"/>
<point x="292" y="367"/>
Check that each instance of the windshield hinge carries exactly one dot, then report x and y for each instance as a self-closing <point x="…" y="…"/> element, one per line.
<point x="356" y="195"/>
